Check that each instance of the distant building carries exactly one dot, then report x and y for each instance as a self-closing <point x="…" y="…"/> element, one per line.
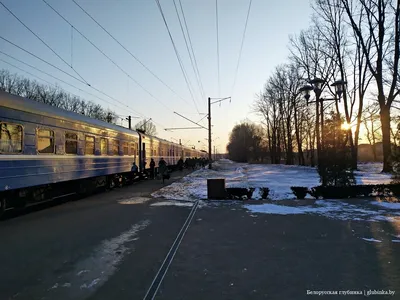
<point x="366" y="152"/>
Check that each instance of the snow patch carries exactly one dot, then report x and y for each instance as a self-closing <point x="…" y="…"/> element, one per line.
<point x="134" y="200"/>
<point x="372" y="240"/>
<point x="276" y="209"/>
<point x="396" y="241"/>
<point x="90" y="273"/>
<point x="388" y="205"/>
<point x="257" y="194"/>
<point x="173" y="203"/>
<point x="331" y="209"/>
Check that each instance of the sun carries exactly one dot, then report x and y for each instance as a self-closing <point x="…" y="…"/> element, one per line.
<point x="346" y="126"/>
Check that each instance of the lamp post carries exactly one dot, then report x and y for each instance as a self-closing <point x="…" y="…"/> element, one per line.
<point x="316" y="85"/>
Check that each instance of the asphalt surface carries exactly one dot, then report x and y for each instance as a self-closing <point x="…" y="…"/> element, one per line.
<point x="111" y="246"/>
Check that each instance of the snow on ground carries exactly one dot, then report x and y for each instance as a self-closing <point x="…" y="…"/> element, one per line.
<point x="372" y="240"/>
<point x="174" y="203"/>
<point x="134" y="200"/>
<point x="333" y="209"/>
<point x="370" y="173"/>
<point x="278" y="178"/>
<point x="387" y="205"/>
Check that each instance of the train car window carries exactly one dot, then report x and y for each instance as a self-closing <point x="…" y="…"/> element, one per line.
<point x="103" y="146"/>
<point x="133" y="151"/>
<point x="10" y="138"/>
<point x="71" y="143"/>
<point x="125" y="148"/>
<point x="115" y="147"/>
<point x="89" y="145"/>
<point x="45" y="141"/>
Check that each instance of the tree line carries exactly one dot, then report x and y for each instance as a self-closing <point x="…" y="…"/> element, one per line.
<point x="56" y="96"/>
<point x="353" y="40"/>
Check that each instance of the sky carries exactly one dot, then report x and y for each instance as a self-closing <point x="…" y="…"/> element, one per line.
<point x="138" y="25"/>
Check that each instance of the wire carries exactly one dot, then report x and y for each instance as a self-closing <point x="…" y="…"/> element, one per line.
<point x="96" y="89"/>
<point x="216" y="13"/>
<point x="136" y="112"/>
<point x="26" y="51"/>
<point x="241" y="47"/>
<point x="129" y="52"/>
<point x="42" y="41"/>
<point x="191" y="46"/>
<point x="112" y="61"/>
<point x="41" y="71"/>
<point x="190" y="54"/>
<point x="177" y="54"/>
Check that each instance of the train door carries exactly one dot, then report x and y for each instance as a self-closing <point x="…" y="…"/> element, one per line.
<point x="144" y="155"/>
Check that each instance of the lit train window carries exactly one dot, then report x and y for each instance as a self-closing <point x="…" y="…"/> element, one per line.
<point x="71" y="143"/>
<point x="10" y="138"/>
<point x="89" y="145"/>
<point x="115" y="147"/>
<point x="45" y="141"/>
<point x="125" y="148"/>
<point x="133" y="151"/>
<point x="103" y="146"/>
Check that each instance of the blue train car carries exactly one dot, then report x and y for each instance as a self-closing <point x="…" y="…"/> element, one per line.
<point x="44" y="149"/>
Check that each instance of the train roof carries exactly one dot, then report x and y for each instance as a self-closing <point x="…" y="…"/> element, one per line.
<point x="31" y="106"/>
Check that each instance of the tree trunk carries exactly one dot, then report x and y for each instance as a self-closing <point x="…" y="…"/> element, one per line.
<point x="353" y="149"/>
<point x="387" y="151"/>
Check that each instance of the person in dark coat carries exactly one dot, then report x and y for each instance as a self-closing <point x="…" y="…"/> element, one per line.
<point x="152" y="167"/>
<point x="162" y="168"/>
<point x="134" y="171"/>
<point x="180" y="164"/>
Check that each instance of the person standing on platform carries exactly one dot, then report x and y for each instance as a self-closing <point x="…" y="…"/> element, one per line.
<point x="152" y="167"/>
<point x="162" y="168"/>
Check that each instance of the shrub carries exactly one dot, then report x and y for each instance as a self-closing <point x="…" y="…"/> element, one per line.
<point x="239" y="193"/>
<point x="342" y="192"/>
<point x="299" y="191"/>
<point x="334" y="163"/>
<point x="264" y="192"/>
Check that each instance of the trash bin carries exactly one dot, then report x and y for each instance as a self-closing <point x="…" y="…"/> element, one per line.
<point x="216" y="188"/>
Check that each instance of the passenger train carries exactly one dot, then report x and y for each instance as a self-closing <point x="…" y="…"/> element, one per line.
<point x="46" y="152"/>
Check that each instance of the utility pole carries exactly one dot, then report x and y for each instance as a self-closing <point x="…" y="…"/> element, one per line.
<point x="215" y="154"/>
<point x="129" y="118"/>
<point x="209" y="133"/>
<point x="209" y="126"/>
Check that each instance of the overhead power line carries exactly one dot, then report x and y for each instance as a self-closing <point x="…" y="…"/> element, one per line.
<point x="44" y="80"/>
<point x="41" y="59"/>
<point x="92" y="87"/>
<point x="191" y="46"/>
<point x="129" y="52"/>
<point x="241" y="47"/>
<point x="177" y="53"/>
<point x="105" y="55"/>
<point x="190" y="54"/>
<point x="40" y="39"/>
<point x="52" y="76"/>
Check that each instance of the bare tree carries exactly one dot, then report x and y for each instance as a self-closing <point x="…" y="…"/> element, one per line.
<point x="372" y="127"/>
<point x="349" y="60"/>
<point x="53" y="95"/>
<point x="381" y="24"/>
<point x="310" y="52"/>
<point x="148" y="127"/>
